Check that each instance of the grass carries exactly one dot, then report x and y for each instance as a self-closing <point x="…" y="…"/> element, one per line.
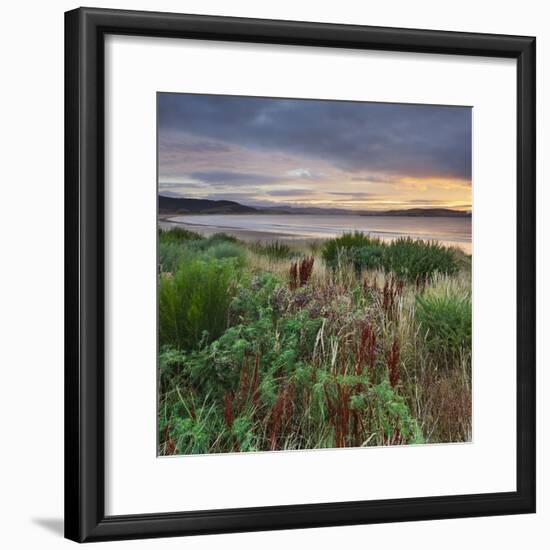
<point x="415" y="260"/>
<point x="445" y="318"/>
<point x="273" y="347"/>
<point x="274" y="249"/>
<point x="178" y="235"/>
<point x="194" y="302"/>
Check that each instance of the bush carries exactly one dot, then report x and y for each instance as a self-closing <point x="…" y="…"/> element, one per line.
<point x="170" y="255"/>
<point x="367" y="257"/>
<point x="407" y="258"/>
<point x="203" y="244"/>
<point x="174" y="245"/>
<point x="446" y="321"/>
<point x="356" y="249"/>
<point x="227" y="249"/>
<point x="273" y="249"/>
<point x="194" y="302"/>
<point x="412" y="259"/>
<point x="253" y="297"/>
<point x="223" y="237"/>
<point x="177" y="235"/>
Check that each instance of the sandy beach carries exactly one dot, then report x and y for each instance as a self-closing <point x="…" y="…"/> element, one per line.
<point x="242" y="234"/>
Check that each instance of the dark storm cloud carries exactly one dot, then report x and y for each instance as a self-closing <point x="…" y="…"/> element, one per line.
<point x="351" y="194"/>
<point x="412" y="140"/>
<point x="289" y="192"/>
<point x="178" y="146"/>
<point x="222" y="177"/>
<point x="171" y="185"/>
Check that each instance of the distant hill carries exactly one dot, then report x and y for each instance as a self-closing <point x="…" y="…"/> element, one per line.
<point x="424" y="212"/>
<point x="180" y="205"/>
<point x="201" y="206"/>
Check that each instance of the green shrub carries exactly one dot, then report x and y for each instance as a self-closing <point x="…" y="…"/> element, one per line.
<point x="177" y="235"/>
<point x="273" y="249"/>
<point x="407" y="258"/>
<point x="227" y="249"/>
<point x="414" y="259"/>
<point x="215" y="240"/>
<point x="194" y="302"/>
<point x="446" y="321"/>
<point x="356" y="249"/>
<point x="222" y="237"/>
<point x="176" y="244"/>
<point x="170" y="255"/>
<point x="367" y="257"/>
<point x="254" y="297"/>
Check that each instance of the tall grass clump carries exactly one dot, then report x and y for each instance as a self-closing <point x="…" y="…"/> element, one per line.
<point x="274" y="249"/>
<point x="357" y="249"/>
<point x="217" y="239"/>
<point x="194" y="302"/>
<point x="418" y="260"/>
<point x="177" y="235"/>
<point x="170" y="255"/>
<point x="223" y="237"/>
<point x="413" y="260"/>
<point x="445" y="319"/>
<point x="227" y="249"/>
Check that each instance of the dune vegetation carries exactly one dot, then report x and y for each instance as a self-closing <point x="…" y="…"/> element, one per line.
<point x="292" y="345"/>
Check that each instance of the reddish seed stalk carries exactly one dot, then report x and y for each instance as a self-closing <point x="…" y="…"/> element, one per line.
<point x="169" y="442"/>
<point x="396" y="438"/>
<point x="300" y="273"/>
<point x="339" y="413"/>
<point x="243" y="385"/>
<point x="366" y="352"/>
<point x="306" y="269"/>
<point x="228" y="409"/>
<point x="393" y="363"/>
<point x="281" y="414"/>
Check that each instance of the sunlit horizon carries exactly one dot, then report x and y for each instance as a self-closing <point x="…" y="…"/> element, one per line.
<point x="264" y="152"/>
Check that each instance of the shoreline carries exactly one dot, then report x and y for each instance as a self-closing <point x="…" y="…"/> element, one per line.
<point x="243" y="234"/>
<point x="253" y="235"/>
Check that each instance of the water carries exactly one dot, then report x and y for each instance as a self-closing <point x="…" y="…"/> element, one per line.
<point x="449" y="231"/>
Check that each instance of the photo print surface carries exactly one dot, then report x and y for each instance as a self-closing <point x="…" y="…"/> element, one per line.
<point x="314" y="274"/>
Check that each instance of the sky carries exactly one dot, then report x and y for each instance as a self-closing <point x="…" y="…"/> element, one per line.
<point x="328" y="154"/>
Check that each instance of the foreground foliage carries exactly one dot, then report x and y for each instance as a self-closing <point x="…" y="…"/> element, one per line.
<point x="262" y="348"/>
<point x="410" y="259"/>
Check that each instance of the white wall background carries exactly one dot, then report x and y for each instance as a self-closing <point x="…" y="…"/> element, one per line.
<point x="31" y="277"/>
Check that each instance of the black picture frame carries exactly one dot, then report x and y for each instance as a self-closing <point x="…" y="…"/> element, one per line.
<point x="85" y="29"/>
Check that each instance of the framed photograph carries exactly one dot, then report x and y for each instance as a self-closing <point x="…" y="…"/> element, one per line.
<point x="300" y="274"/>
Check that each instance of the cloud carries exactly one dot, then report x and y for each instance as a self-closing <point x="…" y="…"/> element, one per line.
<point x="431" y="202"/>
<point x="296" y="192"/>
<point x="359" y="138"/>
<point x="304" y="173"/>
<point x="176" y="184"/>
<point x="174" y="143"/>
<point x="222" y="177"/>
<point x="351" y="194"/>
